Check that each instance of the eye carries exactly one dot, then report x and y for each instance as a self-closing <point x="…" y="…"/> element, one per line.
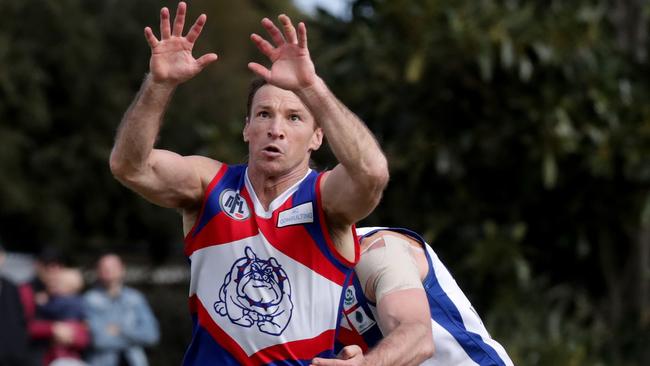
<point x="263" y="114"/>
<point x="295" y="118"/>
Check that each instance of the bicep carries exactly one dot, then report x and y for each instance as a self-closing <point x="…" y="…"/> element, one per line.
<point x="345" y="200"/>
<point x="409" y="306"/>
<point x="172" y="180"/>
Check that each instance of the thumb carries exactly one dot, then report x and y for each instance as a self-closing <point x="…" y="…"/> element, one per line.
<point x="206" y="59"/>
<point x="349" y="352"/>
<point x="260" y="70"/>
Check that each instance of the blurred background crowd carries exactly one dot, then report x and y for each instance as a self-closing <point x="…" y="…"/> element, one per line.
<point x="517" y="132"/>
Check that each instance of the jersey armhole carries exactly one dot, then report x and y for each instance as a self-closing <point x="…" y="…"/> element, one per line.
<point x="217" y="177"/>
<point x="326" y="234"/>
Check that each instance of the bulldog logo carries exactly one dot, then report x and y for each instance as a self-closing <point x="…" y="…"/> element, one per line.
<point x="256" y="292"/>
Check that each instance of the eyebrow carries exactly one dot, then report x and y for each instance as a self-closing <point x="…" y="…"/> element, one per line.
<point x="289" y="110"/>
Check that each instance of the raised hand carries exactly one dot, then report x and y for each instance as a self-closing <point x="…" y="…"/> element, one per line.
<point x="292" y="67"/>
<point x="171" y="57"/>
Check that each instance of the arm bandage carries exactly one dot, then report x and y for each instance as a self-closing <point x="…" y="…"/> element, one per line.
<point x="388" y="268"/>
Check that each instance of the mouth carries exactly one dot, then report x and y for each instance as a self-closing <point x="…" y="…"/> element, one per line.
<point x="271" y="151"/>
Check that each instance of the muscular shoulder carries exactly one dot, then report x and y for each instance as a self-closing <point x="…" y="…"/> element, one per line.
<point x="206" y="168"/>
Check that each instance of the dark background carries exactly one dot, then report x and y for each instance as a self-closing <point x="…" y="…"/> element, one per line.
<point x="518" y="136"/>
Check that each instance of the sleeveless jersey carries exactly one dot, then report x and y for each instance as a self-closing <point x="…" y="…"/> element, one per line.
<point x="266" y="285"/>
<point x="459" y="335"/>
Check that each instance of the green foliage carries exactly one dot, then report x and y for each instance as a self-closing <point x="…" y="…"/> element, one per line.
<point x="518" y="135"/>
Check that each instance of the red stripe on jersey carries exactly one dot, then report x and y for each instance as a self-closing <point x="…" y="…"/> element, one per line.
<point x="193" y="304"/>
<point x="303" y="349"/>
<point x="326" y="233"/>
<point x="206" y="194"/>
<point x="347" y="336"/>
<point x="295" y="350"/>
<point x="222" y="337"/>
<point x="286" y="238"/>
<point x="221" y="229"/>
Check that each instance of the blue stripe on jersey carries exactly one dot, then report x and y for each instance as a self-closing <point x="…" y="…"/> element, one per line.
<point x="307" y="193"/>
<point x="232" y="179"/>
<point x="444" y="312"/>
<point x="203" y="349"/>
<point x="400" y="230"/>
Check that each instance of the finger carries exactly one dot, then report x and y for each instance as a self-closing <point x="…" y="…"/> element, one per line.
<point x="260" y="70"/>
<point x="263" y="45"/>
<point x="196" y="29"/>
<point x="350" y="352"/>
<point x="328" y="362"/>
<point x="151" y="39"/>
<point x="179" y="20"/>
<point x="273" y="31"/>
<point x="289" y="30"/>
<point x="206" y="60"/>
<point x="165" y="29"/>
<point x="302" y="35"/>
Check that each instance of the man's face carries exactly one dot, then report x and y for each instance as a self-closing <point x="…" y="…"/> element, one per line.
<point x="281" y="132"/>
<point x="110" y="270"/>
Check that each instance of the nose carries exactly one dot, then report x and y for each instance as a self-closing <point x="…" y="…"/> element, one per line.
<point x="276" y="130"/>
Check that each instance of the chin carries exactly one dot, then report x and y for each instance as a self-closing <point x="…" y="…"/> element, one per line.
<point x="270" y="168"/>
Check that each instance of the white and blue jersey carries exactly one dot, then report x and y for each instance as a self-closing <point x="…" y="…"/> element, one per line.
<point x="458" y="333"/>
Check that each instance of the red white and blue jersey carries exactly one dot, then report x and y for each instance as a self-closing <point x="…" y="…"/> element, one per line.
<point x="266" y="284"/>
<point x="459" y="335"/>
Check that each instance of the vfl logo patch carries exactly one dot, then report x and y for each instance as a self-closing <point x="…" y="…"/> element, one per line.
<point x="233" y="205"/>
<point x="301" y="214"/>
<point x="256" y="292"/>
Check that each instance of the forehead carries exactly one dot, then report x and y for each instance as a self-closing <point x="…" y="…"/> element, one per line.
<point x="110" y="262"/>
<point x="272" y="96"/>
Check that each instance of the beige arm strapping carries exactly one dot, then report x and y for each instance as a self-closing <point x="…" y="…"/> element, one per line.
<point x="391" y="267"/>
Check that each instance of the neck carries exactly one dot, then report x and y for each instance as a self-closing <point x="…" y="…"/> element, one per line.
<point x="113" y="290"/>
<point x="268" y="187"/>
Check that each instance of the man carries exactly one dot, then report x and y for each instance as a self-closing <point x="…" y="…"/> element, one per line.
<point x="13" y="330"/>
<point x="119" y="317"/>
<point x="401" y="301"/>
<point x="270" y="242"/>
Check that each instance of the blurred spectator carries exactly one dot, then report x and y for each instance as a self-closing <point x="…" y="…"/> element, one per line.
<point x="119" y="317"/>
<point x="13" y="332"/>
<point x="51" y="336"/>
<point x="65" y="308"/>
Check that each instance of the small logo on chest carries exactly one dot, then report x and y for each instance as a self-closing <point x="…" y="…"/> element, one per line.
<point x="301" y="214"/>
<point x="233" y="205"/>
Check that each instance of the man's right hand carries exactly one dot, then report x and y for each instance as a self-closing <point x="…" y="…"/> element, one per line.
<point x="171" y="60"/>
<point x="349" y="356"/>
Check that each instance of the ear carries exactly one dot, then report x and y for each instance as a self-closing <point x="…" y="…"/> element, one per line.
<point x="245" y="130"/>
<point x="316" y="139"/>
<point x="249" y="253"/>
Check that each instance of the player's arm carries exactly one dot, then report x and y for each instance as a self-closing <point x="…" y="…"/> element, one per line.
<point x="354" y="187"/>
<point x="161" y="176"/>
<point x="404" y="316"/>
<point x="389" y="274"/>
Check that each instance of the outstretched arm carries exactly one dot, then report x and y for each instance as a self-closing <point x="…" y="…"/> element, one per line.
<point x="163" y="177"/>
<point x="403" y="316"/>
<point x="389" y="275"/>
<point x="353" y="189"/>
